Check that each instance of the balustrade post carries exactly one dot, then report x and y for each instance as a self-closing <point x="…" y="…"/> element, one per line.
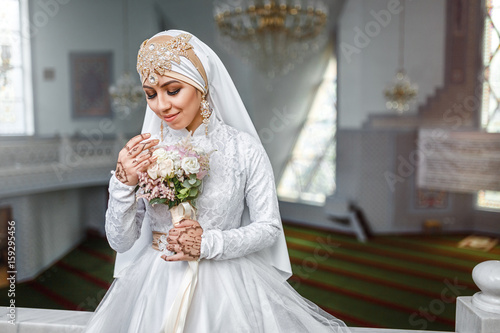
<point x="481" y="312"/>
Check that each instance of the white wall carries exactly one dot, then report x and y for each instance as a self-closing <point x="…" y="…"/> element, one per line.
<point x="367" y="66"/>
<point x="44" y="234"/>
<point x="78" y="26"/>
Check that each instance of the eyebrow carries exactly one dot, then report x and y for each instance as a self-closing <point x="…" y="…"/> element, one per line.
<point x="163" y="85"/>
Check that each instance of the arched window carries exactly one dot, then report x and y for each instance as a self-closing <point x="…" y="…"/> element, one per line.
<point x="16" y="110"/>
<point x="309" y="175"/>
<point x="490" y="113"/>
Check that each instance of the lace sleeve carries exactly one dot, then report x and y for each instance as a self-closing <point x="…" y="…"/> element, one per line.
<point x="124" y="216"/>
<point x="261" y="199"/>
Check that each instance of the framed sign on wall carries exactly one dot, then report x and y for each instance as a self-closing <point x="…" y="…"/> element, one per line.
<point x="90" y="79"/>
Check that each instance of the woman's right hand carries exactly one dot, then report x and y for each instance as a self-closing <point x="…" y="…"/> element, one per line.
<point x="135" y="157"/>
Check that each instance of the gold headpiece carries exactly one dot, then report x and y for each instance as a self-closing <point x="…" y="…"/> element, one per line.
<point x="157" y="54"/>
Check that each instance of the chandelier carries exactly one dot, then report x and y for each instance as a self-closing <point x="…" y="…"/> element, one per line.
<point x="126" y="95"/>
<point x="402" y="92"/>
<point x="274" y="35"/>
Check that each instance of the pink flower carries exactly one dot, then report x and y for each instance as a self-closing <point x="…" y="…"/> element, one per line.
<point x="201" y="174"/>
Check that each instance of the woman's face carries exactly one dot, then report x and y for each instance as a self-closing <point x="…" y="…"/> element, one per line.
<point x="176" y="102"/>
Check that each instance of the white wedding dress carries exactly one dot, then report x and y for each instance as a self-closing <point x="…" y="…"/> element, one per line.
<point x="237" y="290"/>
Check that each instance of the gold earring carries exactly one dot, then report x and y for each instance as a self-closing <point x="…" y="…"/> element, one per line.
<point x="205" y="113"/>
<point x="161" y="131"/>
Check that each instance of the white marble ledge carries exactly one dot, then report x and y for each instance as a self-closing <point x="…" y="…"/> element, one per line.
<point x="387" y="330"/>
<point x="30" y="320"/>
<point x="59" y="321"/>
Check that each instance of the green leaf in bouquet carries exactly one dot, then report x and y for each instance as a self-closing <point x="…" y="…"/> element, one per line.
<point x="193" y="192"/>
<point x="158" y="201"/>
<point x="183" y="194"/>
<point x="192" y="181"/>
<point x="187" y="183"/>
<point x="177" y="183"/>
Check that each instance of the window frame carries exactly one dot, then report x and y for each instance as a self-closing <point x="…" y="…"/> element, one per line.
<point x="26" y="70"/>
<point x="482" y="113"/>
<point x="319" y="159"/>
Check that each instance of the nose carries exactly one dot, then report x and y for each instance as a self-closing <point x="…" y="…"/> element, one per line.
<point x="164" y="104"/>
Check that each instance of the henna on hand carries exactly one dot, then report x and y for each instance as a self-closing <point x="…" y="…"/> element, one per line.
<point x="133" y="151"/>
<point x="120" y="173"/>
<point x="190" y="241"/>
<point x="185" y="242"/>
<point x="135" y="156"/>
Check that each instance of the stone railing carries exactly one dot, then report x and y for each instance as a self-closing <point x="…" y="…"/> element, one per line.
<point x="34" y="165"/>
<point x="477" y="314"/>
<point x="481" y="312"/>
<point x="59" y="321"/>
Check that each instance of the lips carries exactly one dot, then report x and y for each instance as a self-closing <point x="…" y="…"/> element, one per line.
<point x="170" y="117"/>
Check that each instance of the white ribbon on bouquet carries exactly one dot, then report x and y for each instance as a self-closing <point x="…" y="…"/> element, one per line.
<point x="176" y="317"/>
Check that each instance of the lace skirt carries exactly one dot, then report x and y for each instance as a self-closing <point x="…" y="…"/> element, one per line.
<point x="237" y="295"/>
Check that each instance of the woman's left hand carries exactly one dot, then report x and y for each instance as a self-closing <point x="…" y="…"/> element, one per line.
<point x="185" y="240"/>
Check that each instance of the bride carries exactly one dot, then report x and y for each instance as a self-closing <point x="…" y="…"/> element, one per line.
<point x="230" y="274"/>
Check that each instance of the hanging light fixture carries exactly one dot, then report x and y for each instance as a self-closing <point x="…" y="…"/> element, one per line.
<point x="402" y="92"/>
<point x="273" y="34"/>
<point x="126" y="94"/>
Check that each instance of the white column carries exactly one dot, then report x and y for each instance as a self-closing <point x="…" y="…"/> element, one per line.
<point x="481" y="312"/>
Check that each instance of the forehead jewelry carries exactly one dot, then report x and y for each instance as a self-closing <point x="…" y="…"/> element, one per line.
<point x="156" y="58"/>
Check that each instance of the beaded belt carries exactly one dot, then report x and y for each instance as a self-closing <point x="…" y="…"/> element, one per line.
<point x="159" y="241"/>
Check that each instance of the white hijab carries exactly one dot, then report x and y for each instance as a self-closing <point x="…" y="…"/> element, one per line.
<point x="228" y="107"/>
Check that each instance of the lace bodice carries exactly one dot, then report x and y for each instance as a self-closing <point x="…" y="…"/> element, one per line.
<point x="240" y="172"/>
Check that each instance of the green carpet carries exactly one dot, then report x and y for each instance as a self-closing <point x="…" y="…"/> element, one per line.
<point x="406" y="282"/>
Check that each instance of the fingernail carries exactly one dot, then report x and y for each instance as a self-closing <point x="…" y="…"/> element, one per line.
<point x="147" y="134"/>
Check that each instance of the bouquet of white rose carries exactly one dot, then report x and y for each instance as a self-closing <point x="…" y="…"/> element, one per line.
<point x="176" y="176"/>
<point x="175" y="179"/>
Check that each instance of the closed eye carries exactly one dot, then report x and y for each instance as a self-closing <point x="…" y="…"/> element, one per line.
<point x="171" y="93"/>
